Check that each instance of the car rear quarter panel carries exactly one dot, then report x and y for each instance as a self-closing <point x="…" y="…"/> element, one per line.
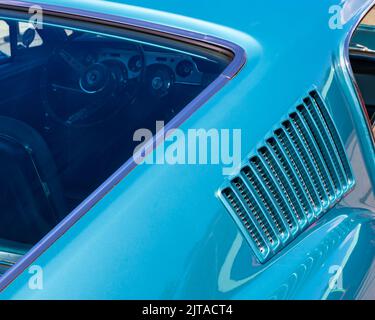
<point x="162" y="232"/>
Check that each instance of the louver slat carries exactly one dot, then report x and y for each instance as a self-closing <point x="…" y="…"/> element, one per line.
<point x="248" y="226"/>
<point x="308" y="199"/>
<point x="289" y="187"/>
<point x="255" y="210"/>
<point x="304" y="168"/>
<point x="305" y="142"/>
<point x="322" y="148"/>
<point x="323" y="128"/>
<point x="335" y="137"/>
<point x="295" y="177"/>
<point x="269" y="206"/>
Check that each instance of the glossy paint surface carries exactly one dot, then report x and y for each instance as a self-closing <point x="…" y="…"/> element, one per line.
<point x="162" y="232"/>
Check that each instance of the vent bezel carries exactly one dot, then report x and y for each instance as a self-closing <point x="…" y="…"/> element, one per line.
<point x="298" y="173"/>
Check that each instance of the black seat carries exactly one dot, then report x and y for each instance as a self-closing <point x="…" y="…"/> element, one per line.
<point x="31" y="198"/>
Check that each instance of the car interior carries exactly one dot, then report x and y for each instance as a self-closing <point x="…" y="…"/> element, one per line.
<point x="363" y="64"/>
<point x="362" y="58"/>
<point x="70" y="102"/>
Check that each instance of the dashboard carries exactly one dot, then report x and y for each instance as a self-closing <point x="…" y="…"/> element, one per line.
<point x="96" y="78"/>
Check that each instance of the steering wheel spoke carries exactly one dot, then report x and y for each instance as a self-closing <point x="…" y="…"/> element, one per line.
<point x="60" y="87"/>
<point x="73" y="62"/>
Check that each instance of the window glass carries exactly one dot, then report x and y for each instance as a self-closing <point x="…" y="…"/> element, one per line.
<point x="362" y="57"/>
<point x="4" y="40"/>
<point x="69" y="111"/>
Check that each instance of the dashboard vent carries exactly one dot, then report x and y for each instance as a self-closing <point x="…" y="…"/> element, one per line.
<point x="298" y="174"/>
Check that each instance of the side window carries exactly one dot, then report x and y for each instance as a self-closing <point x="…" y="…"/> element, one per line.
<point x="4" y="41"/>
<point x="362" y="57"/>
<point x="28" y="36"/>
<point x="70" y="113"/>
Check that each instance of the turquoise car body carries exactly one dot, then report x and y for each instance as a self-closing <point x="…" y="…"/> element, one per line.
<point x="162" y="233"/>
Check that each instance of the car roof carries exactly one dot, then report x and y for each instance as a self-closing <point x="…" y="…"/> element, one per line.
<point x="272" y="23"/>
<point x="242" y="15"/>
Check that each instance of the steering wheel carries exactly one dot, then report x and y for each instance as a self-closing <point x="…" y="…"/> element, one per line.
<point x="79" y="89"/>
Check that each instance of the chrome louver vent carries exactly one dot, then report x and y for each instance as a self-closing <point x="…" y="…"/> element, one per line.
<point x="300" y="171"/>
